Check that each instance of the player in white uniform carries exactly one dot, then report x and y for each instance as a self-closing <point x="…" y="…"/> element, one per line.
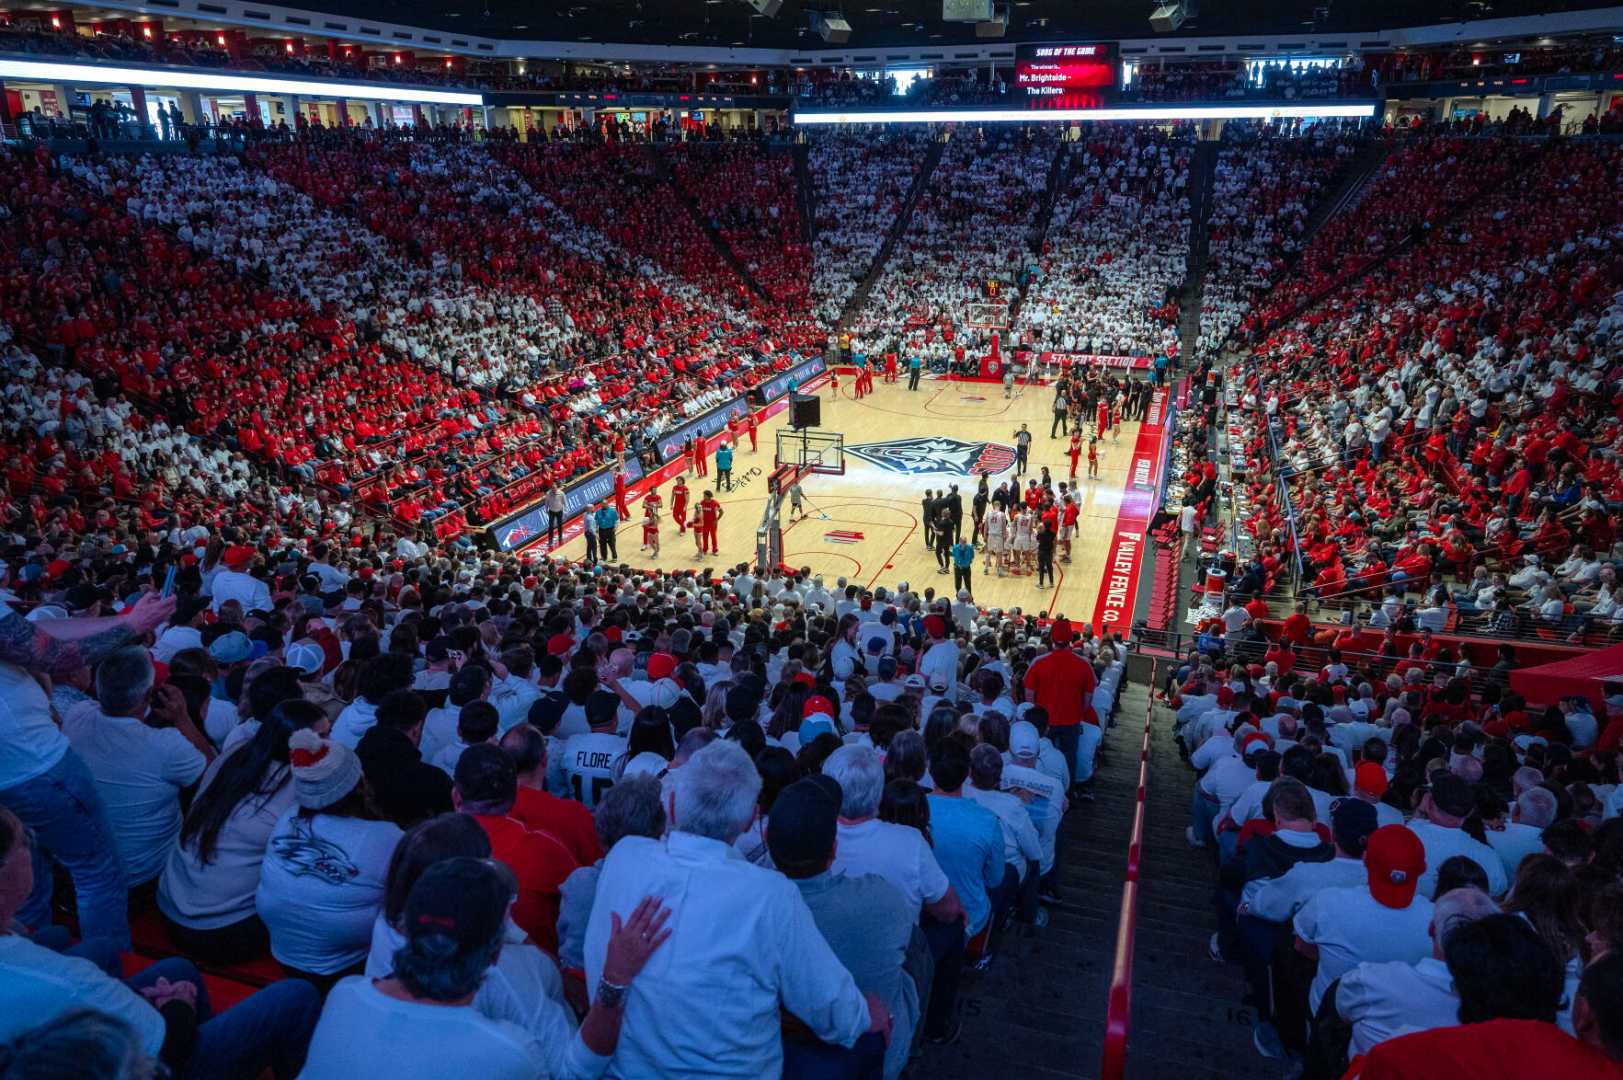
<point x="997" y="539"/>
<point x="1025" y="540"/>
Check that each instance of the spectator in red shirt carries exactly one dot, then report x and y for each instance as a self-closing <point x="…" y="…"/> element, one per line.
<point x="538" y="810"/>
<point x="1510" y="987"/>
<point x="1063" y="682"/>
<point x="486" y="786"/>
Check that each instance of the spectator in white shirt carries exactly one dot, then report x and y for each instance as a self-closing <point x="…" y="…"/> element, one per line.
<point x="267" y="1031"/>
<point x="233" y="582"/>
<point x="143" y="750"/>
<point x="321" y="884"/>
<point x="381" y="676"/>
<point x="477" y="723"/>
<point x="427" y="1005"/>
<point x="1278" y="899"/>
<point x="1021" y="845"/>
<point x="206" y="893"/>
<point x="1532" y="812"/>
<point x="1382" y="1000"/>
<point x="750" y="947"/>
<point x="1383" y="919"/>
<point x="523" y="986"/>
<point x="1437" y="823"/>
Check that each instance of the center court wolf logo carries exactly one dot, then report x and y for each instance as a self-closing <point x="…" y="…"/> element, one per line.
<point x="936" y="454"/>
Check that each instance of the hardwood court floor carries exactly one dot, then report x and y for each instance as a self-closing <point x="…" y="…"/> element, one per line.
<point x="865" y="525"/>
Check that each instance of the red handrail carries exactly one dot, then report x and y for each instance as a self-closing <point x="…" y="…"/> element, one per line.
<point x="1118" y="1016"/>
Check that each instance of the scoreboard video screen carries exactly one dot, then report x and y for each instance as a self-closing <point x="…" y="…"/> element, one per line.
<point x="1066" y="76"/>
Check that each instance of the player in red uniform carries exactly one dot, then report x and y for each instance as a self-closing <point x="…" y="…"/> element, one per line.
<point x="700" y="457"/>
<point x="650" y="528"/>
<point x="890" y="367"/>
<point x="1102" y="420"/>
<point x="752" y="425"/>
<point x="709" y="517"/>
<point x="1067" y="525"/>
<point x="621" y="507"/>
<point x="1076" y="450"/>
<point x="679" y="505"/>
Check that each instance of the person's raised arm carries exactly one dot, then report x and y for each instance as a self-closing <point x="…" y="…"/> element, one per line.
<point x="62" y="646"/>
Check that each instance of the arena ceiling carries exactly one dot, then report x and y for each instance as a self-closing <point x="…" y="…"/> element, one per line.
<point x="914" y="23"/>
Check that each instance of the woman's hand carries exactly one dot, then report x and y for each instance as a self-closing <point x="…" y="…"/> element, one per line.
<point x="632" y="942"/>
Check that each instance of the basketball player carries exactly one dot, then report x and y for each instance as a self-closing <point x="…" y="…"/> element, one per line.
<point x="710" y="514"/>
<point x="650" y="528"/>
<point x="890" y="366"/>
<point x="679" y="505"/>
<point x="1067" y="525"/>
<point x="699" y="454"/>
<point x="1025" y="540"/>
<point x="997" y="538"/>
<point x="1102" y="419"/>
<point x="1076" y="450"/>
<point x="620" y="505"/>
<point x="752" y="426"/>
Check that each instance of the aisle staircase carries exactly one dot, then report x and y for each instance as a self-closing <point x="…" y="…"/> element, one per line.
<point x="1359" y="172"/>
<point x="805" y="193"/>
<point x="921" y="182"/>
<point x="663" y="170"/>
<point x="1039" y="1009"/>
<point x="1189" y="1019"/>
<point x="1202" y="174"/>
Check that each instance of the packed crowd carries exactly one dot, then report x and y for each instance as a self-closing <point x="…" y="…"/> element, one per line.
<point x="1413" y="875"/>
<point x="967" y="243"/>
<point x="1117" y="247"/>
<point x="748" y="194"/>
<point x="1423" y="181"/>
<point x="456" y="804"/>
<point x="1448" y="425"/>
<point x="1210" y="80"/>
<point x="860" y="182"/>
<point x="1268" y="179"/>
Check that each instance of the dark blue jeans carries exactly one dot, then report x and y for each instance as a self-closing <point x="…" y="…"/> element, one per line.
<point x="71" y="827"/>
<point x="271" y="1029"/>
<point x="864" y="1060"/>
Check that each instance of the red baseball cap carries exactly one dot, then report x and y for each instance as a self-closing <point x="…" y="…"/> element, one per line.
<point x="817" y="703"/>
<point x="1394" y="860"/>
<point x="660" y="665"/>
<point x="1370" y="778"/>
<point x="560" y="644"/>
<point x="1061" y="631"/>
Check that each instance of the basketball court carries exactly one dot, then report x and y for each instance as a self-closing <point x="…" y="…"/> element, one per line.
<point x="865" y="524"/>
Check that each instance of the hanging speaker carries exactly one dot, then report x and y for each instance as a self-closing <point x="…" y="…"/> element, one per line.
<point x="805" y="410"/>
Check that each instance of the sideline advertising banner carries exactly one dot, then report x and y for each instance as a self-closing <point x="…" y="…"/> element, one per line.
<point x="515" y="532"/>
